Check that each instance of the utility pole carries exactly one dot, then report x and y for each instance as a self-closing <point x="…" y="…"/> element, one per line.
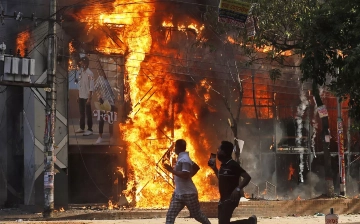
<point x="341" y="149"/>
<point x="348" y="144"/>
<point x="340" y="139"/>
<point x="50" y="113"/>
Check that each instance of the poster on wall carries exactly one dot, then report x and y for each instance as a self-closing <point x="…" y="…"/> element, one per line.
<point x="49" y="179"/>
<point x="95" y="100"/>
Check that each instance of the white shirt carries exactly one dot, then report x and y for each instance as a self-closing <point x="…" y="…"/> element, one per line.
<point x="184" y="186"/>
<point x="86" y="83"/>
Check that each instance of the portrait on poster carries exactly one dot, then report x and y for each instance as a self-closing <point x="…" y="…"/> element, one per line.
<point x="95" y="99"/>
<point x="49" y="179"/>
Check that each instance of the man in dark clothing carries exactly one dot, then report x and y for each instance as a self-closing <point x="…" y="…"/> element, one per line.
<point x="230" y="184"/>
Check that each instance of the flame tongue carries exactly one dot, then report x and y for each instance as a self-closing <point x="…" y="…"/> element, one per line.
<point x="291" y="171"/>
<point x="22" y="41"/>
<point x="162" y="109"/>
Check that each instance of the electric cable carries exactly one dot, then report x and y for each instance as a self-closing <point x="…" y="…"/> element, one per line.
<point x="1" y="130"/>
<point x="2" y="91"/>
<point x="83" y="161"/>
<point x="197" y="62"/>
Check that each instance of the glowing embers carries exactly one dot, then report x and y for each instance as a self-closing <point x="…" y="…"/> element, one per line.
<point x="183" y="27"/>
<point x="72" y="64"/>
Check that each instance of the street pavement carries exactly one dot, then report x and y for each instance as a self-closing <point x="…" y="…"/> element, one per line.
<point x="348" y="219"/>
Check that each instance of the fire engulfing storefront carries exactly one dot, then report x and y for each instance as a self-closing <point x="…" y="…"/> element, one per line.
<point x="159" y="73"/>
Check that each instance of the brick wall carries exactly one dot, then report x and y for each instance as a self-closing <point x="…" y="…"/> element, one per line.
<point x="286" y="208"/>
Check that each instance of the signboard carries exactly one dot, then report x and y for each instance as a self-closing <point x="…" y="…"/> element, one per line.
<point x="95" y="120"/>
<point x="250" y="26"/>
<point x="322" y="111"/>
<point x="331" y="220"/>
<point x="234" y="12"/>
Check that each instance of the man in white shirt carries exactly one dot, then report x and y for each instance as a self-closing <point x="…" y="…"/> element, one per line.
<point x="185" y="193"/>
<point x="86" y="88"/>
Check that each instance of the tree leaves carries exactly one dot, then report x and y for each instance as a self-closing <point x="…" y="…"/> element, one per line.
<point x="326" y="34"/>
<point x="274" y="74"/>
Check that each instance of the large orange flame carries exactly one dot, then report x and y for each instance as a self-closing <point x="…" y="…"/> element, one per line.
<point x="162" y="110"/>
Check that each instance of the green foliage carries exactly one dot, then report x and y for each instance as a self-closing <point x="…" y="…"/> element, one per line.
<point x="326" y="34"/>
<point x="275" y="74"/>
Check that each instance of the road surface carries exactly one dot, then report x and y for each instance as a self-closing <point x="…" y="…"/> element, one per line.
<point x="348" y="219"/>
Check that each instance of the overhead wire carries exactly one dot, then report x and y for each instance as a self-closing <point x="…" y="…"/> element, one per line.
<point x="202" y="76"/>
<point x="74" y="127"/>
<point x="3" y="90"/>
<point x="152" y="2"/>
<point x="32" y="136"/>
<point x="46" y="102"/>
<point x="83" y="161"/>
<point x="7" y="142"/>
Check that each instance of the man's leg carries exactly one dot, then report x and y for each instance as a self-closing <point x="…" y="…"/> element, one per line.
<point x="111" y="126"/>
<point x="101" y="122"/>
<point x="89" y="116"/>
<point x="192" y="203"/>
<point x="82" y="103"/>
<point x="101" y="128"/>
<point x="250" y="220"/>
<point x="225" y="211"/>
<point x="176" y="205"/>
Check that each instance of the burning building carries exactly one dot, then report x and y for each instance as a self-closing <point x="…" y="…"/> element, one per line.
<point x="172" y="76"/>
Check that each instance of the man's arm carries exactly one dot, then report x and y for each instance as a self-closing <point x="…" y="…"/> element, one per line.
<point x="245" y="179"/>
<point x="184" y="173"/>
<point x="212" y="165"/>
<point x="195" y="168"/>
<point x="238" y="192"/>
<point x="216" y="171"/>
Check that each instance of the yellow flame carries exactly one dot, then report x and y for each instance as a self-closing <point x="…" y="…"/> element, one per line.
<point x="110" y="205"/>
<point x="22" y="41"/>
<point x="150" y="131"/>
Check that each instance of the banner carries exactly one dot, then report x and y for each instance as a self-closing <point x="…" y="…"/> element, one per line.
<point x="250" y="26"/>
<point x="234" y="12"/>
<point x="95" y="100"/>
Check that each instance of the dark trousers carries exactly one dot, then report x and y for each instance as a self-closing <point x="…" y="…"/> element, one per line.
<point x="225" y="211"/>
<point x="85" y="109"/>
<point x="101" y="122"/>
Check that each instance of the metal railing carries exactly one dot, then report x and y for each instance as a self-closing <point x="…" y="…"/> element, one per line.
<point x="270" y="190"/>
<point x="252" y="190"/>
